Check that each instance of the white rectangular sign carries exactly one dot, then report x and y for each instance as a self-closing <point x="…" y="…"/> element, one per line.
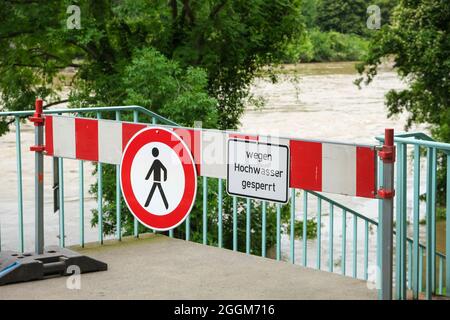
<point x="258" y="170"/>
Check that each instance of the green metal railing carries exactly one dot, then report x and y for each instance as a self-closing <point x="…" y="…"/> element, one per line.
<point x="409" y="252"/>
<point x="324" y="207"/>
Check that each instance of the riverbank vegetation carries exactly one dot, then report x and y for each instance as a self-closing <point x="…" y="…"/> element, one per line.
<point x="336" y="30"/>
<point x="418" y="41"/>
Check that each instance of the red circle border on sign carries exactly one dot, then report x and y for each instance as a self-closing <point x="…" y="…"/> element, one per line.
<point x="172" y="140"/>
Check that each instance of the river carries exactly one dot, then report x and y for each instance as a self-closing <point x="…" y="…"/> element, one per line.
<point x="323" y="103"/>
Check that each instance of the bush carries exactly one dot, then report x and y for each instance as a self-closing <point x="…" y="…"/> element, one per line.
<point x="318" y="46"/>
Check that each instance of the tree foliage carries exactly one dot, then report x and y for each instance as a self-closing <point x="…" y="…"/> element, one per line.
<point x="346" y="16"/>
<point x="186" y="60"/>
<point x="229" y="40"/>
<point x="418" y="41"/>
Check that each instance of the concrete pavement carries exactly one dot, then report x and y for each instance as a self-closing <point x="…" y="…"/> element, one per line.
<point x="158" y="267"/>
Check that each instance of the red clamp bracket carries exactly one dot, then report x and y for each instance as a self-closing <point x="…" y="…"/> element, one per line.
<point x="38" y="121"/>
<point x="37" y="148"/>
<point x="387" y="154"/>
<point x="385" y="194"/>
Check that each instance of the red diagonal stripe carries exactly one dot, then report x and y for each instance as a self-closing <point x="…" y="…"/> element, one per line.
<point x="86" y="139"/>
<point x="49" y="135"/>
<point x="306" y="165"/>
<point x="365" y="172"/>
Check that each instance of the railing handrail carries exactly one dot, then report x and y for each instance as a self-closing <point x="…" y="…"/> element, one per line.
<point x="26" y="113"/>
<point x="361" y="216"/>
<point x="418" y="138"/>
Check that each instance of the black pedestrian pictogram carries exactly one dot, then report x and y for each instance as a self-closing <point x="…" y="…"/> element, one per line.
<point x="156" y="168"/>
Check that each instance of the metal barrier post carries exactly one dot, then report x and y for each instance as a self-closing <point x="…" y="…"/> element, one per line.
<point x="38" y="148"/>
<point x="387" y="193"/>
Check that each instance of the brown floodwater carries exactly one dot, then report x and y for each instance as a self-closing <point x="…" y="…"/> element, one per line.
<point x="320" y="101"/>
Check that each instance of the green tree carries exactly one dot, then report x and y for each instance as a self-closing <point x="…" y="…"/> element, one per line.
<point x="344" y="16"/>
<point x="350" y="16"/>
<point x="187" y="60"/>
<point x="418" y="40"/>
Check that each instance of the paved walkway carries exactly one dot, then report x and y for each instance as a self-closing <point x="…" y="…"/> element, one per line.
<point x="158" y="267"/>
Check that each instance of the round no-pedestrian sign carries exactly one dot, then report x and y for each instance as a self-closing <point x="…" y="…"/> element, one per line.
<point x="158" y="178"/>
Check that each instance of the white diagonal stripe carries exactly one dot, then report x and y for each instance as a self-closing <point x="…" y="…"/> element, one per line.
<point x="110" y="142"/>
<point x="339" y="168"/>
<point x="64" y="137"/>
<point x="214" y="154"/>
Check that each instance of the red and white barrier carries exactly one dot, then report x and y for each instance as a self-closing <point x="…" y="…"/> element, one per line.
<point x="318" y="166"/>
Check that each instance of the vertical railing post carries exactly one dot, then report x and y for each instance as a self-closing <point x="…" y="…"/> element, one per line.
<point x="447" y="230"/>
<point x="100" y="196"/>
<point x="387" y="155"/>
<point x="81" y="171"/>
<point x="219" y="215"/>
<point x="263" y="229"/>
<point x="19" y="184"/>
<point x="38" y="148"/>
<point x="278" y="232"/>
<point x="429" y="236"/>
<point x="118" y="197"/>
<point x="416" y="217"/>
<point x="135" y="220"/>
<point x="235" y="225"/>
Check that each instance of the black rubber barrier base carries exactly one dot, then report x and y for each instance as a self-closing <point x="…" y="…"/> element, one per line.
<point x="55" y="261"/>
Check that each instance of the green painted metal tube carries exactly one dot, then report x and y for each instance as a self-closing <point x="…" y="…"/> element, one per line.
<point x="235" y="224"/>
<point x="319" y="232"/>
<point x="404" y="208"/>
<point x="409" y="284"/>
<point x="331" y="235"/>
<point x="118" y="196"/>
<point x="305" y="225"/>
<point x="441" y="267"/>
<point x="399" y="225"/>
<point x="433" y="221"/>
<point x="263" y="231"/>
<point x="135" y="220"/>
<point x="100" y="196"/>
<point x="447" y="235"/>
<point x="344" y="242"/>
<point x="19" y="184"/>
<point x="62" y="235"/>
<point x="220" y="213"/>
<point x="248" y="227"/>
<point x="424" y="143"/>
<point x="366" y="249"/>
<point x="355" y="246"/>
<point x="188" y="228"/>
<point x="278" y="232"/>
<point x="420" y="269"/>
<point x="23" y="114"/>
<point x="81" y="204"/>
<point x="205" y="210"/>
<point x="292" y="233"/>
<point x="118" y="205"/>
<point x="100" y="202"/>
<point x="429" y="205"/>
<point x="171" y="233"/>
<point x="416" y="225"/>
